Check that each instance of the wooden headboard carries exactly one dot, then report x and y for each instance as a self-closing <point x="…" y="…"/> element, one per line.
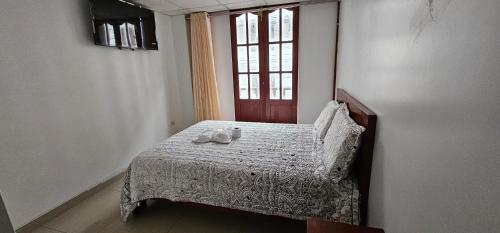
<point x="363" y="164"/>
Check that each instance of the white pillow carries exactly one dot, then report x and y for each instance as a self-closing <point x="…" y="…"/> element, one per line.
<point x="341" y="143"/>
<point x="324" y="120"/>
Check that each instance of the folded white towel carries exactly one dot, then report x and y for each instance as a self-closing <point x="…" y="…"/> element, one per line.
<point x="218" y="135"/>
<point x="204" y="137"/>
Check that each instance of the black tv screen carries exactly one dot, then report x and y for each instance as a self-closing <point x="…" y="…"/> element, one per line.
<point x="118" y="23"/>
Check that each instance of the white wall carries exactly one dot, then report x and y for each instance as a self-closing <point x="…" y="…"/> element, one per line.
<point x="317" y="33"/>
<point x="183" y="64"/>
<point x="221" y="40"/>
<point x="171" y="52"/>
<point x="316" y="52"/>
<point x="434" y="82"/>
<point x="73" y="114"/>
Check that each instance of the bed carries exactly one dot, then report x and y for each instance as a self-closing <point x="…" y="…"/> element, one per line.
<point x="271" y="170"/>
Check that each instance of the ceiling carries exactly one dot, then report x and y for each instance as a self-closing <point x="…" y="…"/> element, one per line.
<point x="181" y="7"/>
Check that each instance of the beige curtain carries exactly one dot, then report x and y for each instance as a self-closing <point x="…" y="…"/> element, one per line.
<point x="205" y="94"/>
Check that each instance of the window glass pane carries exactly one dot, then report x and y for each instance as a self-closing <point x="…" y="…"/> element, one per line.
<point x="131" y="35"/>
<point x="274" y="86"/>
<point x="123" y="34"/>
<point x="111" y="35"/>
<point x="274" y="26"/>
<point x="274" y="57"/>
<point x="287" y="24"/>
<point x="254" y="58"/>
<point x="243" y="81"/>
<point x="102" y="33"/>
<point x="287" y="86"/>
<point x="242" y="59"/>
<point x="286" y="56"/>
<point x="241" y="29"/>
<point x="253" y="28"/>
<point x="254" y="86"/>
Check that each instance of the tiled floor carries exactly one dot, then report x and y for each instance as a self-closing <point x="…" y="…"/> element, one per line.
<point x="100" y="214"/>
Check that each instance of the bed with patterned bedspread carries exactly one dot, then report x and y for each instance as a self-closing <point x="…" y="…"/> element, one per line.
<point x="273" y="169"/>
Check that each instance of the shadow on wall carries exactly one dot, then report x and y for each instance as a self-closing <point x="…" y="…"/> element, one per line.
<point x="5" y="224"/>
<point x="84" y="27"/>
<point x="377" y="179"/>
<point x="428" y="12"/>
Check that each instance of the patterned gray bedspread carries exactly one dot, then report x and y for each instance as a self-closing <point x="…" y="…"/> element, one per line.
<point x="271" y="169"/>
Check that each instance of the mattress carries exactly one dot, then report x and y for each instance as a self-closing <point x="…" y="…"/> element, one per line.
<point x="272" y="169"/>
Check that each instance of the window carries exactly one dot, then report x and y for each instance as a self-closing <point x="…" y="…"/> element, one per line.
<point x="248" y="55"/>
<point x="278" y="60"/>
<point x="281" y="57"/>
<point x="264" y="48"/>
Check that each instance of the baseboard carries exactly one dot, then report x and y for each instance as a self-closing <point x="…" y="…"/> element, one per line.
<point x="36" y="223"/>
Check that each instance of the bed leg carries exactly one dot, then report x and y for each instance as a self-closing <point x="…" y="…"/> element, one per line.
<point x="141" y="206"/>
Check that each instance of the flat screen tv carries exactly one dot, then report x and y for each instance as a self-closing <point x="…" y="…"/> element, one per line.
<point x="122" y="24"/>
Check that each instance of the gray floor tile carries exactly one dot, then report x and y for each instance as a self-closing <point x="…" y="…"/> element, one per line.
<point x="46" y="230"/>
<point x="205" y="221"/>
<point x="158" y="217"/>
<point x="208" y="221"/>
<point x="100" y="213"/>
<point x="96" y="211"/>
<point x="117" y="184"/>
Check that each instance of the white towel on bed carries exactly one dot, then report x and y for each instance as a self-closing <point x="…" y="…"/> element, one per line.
<point x="223" y="136"/>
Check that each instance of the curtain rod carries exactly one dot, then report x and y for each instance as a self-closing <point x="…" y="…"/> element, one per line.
<point x="265" y="8"/>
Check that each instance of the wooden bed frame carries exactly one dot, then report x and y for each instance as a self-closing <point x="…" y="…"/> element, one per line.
<point x="363" y="164"/>
<point x="361" y="169"/>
